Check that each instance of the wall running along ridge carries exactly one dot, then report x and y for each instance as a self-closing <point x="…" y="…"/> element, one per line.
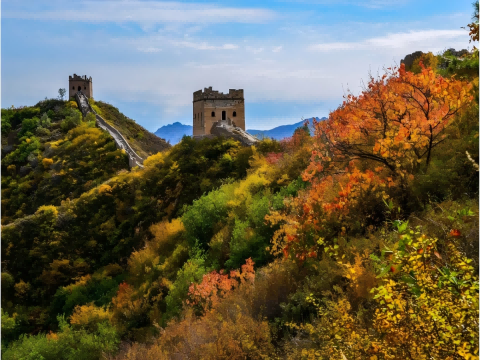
<point x="85" y="108"/>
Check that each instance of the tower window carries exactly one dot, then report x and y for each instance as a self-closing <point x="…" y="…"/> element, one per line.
<point x="213" y="113"/>
<point x="234" y="113"/>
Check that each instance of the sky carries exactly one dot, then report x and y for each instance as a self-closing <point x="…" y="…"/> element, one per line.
<point x="294" y="59"/>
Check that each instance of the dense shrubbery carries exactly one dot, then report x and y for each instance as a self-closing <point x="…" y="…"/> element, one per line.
<point x="357" y="242"/>
<point x="54" y="161"/>
<point x="383" y="282"/>
<point x="104" y="225"/>
<point x="68" y="343"/>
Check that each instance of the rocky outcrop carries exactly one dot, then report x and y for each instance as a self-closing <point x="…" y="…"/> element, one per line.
<point x="85" y="108"/>
<point x="410" y="58"/>
<point x="7" y="149"/>
<point x="228" y="129"/>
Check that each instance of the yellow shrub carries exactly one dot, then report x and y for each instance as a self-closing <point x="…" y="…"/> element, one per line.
<point x="166" y="233"/>
<point x="72" y="104"/>
<point x="88" y="316"/>
<point x="104" y="189"/>
<point x="47" y="162"/>
<point x="47" y="209"/>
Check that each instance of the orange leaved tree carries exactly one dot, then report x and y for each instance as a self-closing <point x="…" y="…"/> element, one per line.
<point x="371" y="145"/>
<point x="396" y="122"/>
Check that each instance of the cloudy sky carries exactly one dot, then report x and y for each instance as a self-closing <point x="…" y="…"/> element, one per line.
<point x="293" y="59"/>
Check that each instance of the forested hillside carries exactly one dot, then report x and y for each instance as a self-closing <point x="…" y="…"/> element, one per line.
<point x="357" y="241"/>
<point x="143" y="142"/>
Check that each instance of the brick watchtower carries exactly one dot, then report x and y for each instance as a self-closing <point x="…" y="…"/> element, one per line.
<point x="77" y="83"/>
<point x="210" y="106"/>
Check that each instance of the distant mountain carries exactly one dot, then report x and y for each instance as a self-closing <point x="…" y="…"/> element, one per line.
<point x="174" y="132"/>
<point x="283" y="131"/>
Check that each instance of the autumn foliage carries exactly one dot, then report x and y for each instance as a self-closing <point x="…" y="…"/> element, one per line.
<point x="363" y="234"/>
<point x="216" y="285"/>
<point x="371" y="146"/>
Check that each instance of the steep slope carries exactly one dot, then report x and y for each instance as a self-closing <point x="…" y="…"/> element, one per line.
<point x="89" y="113"/>
<point x="52" y="155"/>
<point x="57" y="245"/>
<point x="143" y="142"/>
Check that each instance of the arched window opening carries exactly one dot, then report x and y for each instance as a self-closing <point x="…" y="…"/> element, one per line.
<point x="224" y="115"/>
<point x="213" y="113"/>
<point x="79" y="88"/>
<point x="234" y="113"/>
<point x="84" y="88"/>
<point x="73" y="87"/>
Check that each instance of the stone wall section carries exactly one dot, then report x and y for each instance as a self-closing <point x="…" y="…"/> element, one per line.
<point x="226" y="128"/>
<point x="85" y="108"/>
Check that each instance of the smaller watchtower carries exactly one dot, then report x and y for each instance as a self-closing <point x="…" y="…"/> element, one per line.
<point x="210" y="106"/>
<point x="80" y="83"/>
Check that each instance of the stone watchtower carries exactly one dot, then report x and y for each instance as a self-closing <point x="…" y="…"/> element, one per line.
<point x="210" y="106"/>
<point x="77" y="83"/>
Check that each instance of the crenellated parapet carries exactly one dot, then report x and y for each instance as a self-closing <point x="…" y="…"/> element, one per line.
<point x="80" y="78"/>
<point x="209" y="94"/>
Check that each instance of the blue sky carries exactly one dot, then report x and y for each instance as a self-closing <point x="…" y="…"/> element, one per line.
<point x="293" y="59"/>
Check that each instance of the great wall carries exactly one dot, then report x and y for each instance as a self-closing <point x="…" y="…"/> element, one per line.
<point x="212" y="115"/>
<point x="85" y="108"/>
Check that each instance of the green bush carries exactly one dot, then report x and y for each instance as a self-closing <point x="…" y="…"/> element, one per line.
<point x="29" y="126"/>
<point x="6" y="126"/>
<point x="72" y="120"/>
<point x="28" y="145"/>
<point x="192" y="271"/>
<point x="68" y="344"/>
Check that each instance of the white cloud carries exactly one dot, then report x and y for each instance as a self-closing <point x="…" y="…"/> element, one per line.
<point x="254" y="50"/>
<point x="373" y="4"/>
<point x="302" y="71"/>
<point x="203" y="45"/>
<point x="426" y="38"/>
<point x="150" y="49"/>
<point x="150" y="12"/>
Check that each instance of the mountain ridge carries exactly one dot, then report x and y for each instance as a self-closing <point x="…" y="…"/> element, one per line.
<point x="175" y="131"/>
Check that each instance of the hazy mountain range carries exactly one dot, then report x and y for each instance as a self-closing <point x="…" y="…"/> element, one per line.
<point x="174" y="132"/>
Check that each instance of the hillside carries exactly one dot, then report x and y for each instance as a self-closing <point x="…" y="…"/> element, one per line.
<point x="173" y="133"/>
<point x="330" y="244"/>
<point x="143" y="142"/>
<point x="52" y="155"/>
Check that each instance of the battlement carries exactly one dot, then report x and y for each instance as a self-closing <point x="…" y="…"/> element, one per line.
<point x="80" y="78"/>
<point x="209" y="94"/>
<point x="80" y="83"/>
